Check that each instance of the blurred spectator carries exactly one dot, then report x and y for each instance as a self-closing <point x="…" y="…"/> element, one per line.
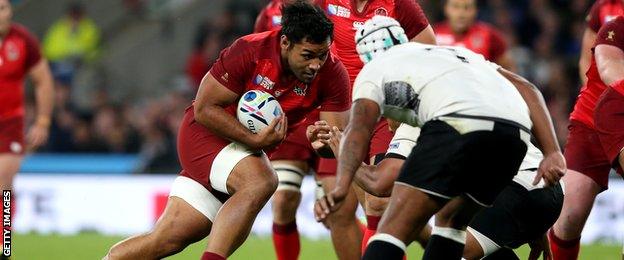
<point x="70" y="41"/>
<point x="206" y="47"/>
<point x="461" y="28"/>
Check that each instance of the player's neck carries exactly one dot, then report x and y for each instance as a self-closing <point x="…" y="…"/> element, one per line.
<point x="360" y="4"/>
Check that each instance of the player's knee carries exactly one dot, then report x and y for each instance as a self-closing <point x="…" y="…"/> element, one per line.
<point x="262" y="189"/>
<point x="286" y="202"/>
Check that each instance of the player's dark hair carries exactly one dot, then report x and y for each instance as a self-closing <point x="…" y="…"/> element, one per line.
<point x="302" y="20"/>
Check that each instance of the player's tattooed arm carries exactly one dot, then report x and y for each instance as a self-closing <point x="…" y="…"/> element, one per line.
<point x="209" y="110"/>
<point x="364" y="115"/>
<point x="553" y="166"/>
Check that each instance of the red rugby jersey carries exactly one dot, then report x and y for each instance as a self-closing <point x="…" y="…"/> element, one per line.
<point x="603" y="11"/>
<point x="19" y="52"/>
<point x="480" y="38"/>
<point x="254" y="62"/>
<point x="270" y="18"/>
<point x="346" y="20"/>
<point x="612" y="33"/>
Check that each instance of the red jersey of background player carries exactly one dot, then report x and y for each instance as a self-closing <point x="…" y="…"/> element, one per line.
<point x="270" y="18"/>
<point x="586" y="101"/>
<point x="19" y="52"/>
<point x="346" y="19"/>
<point x="603" y="11"/>
<point x="480" y="38"/>
<point x="254" y="62"/>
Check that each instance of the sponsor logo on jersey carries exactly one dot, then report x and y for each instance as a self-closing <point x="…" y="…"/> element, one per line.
<point x="381" y="11"/>
<point x="276" y="20"/>
<point x="608" y="18"/>
<point x="301" y="89"/>
<point x="338" y="10"/>
<point x="610" y="36"/>
<point x="264" y="82"/>
<point x="12" y="53"/>
<point x="394" y="145"/>
<point x="357" y="25"/>
<point x="476" y="41"/>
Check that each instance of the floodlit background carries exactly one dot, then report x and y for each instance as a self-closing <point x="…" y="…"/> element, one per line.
<point x="121" y="91"/>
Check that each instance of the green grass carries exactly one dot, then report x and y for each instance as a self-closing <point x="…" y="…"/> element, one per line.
<point x="94" y="246"/>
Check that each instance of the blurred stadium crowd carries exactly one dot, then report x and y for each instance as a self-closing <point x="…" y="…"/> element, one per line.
<point x="543" y="36"/>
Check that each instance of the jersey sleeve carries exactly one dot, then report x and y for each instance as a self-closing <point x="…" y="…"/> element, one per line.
<point x="33" y="50"/>
<point x="368" y="85"/>
<point x="411" y="17"/>
<point x="261" y="22"/>
<point x="234" y="65"/>
<point x="612" y="33"/>
<point x="335" y="84"/>
<point x="403" y="142"/>
<point x="498" y="46"/>
<point x="593" y="18"/>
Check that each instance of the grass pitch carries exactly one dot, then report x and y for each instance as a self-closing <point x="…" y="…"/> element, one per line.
<point x="94" y="246"/>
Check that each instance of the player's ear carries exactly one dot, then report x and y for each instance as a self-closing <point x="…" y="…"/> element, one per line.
<point x="285" y="43"/>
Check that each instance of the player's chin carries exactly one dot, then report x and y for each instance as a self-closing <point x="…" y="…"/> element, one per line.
<point x="307" y="77"/>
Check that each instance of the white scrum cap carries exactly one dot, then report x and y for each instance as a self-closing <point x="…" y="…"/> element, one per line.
<point x="377" y="35"/>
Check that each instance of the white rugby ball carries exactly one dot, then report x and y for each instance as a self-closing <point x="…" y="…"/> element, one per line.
<point x="257" y="109"/>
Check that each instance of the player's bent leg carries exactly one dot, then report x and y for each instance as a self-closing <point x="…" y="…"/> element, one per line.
<point x="565" y="234"/>
<point x="251" y="183"/>
<point x="408" y="207"/>
<point x="179" y="226"/>
<point x="374" y="209"/>
<point x="285" y="202"/>
<point x="345" y="232"/>
<point x="9" y="165"/>
<point x="448" y="237"/>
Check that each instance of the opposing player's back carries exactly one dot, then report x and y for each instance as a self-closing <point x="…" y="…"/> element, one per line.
<point x="483" y="92"/>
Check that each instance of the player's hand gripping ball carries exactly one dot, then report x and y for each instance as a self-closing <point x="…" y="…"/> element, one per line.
<point x="257" y="109"/>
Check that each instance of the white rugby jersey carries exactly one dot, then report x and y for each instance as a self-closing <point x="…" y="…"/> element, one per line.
<point x="405" y="138"/>
<point x="415" y="83"/>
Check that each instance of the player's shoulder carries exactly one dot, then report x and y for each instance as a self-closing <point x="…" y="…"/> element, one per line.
<point x="484" y="26"/>
<point x="441" y="27"/>
<point x="21" y="31"/>
<point x="258" y="42"/>
<point x="332" y="68"/>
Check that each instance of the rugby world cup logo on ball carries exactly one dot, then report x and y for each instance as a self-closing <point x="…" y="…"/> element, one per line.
<point x="257" y="109"/>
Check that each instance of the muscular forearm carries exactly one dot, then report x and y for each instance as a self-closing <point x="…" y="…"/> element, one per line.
<point x="543" y="129"/>
<point x="44" y="94"/>
<point x="352" y="152"/>
<point x="367" y="178"/>
<point x="223" y="124"/>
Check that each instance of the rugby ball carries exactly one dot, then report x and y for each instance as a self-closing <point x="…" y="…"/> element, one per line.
<point x="257" y="109"/>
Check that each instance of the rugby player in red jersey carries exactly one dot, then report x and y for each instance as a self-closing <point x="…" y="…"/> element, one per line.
<point x="270" y="18"/>
<point x="226" y="177"/>
<point x="348" y="16"/>
<point x="292" y="160"/>
<point x="600" y="13"/>
<point x="20" y="56"/>
<point x="595" y="140"/>
<point x="462" y="29"/>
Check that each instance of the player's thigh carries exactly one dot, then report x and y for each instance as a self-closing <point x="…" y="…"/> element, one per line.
<point x="181" y="223"/>
<point x="253" y="172"/>
<point x="577" y="203"/>
<point x="408" y="211"/>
